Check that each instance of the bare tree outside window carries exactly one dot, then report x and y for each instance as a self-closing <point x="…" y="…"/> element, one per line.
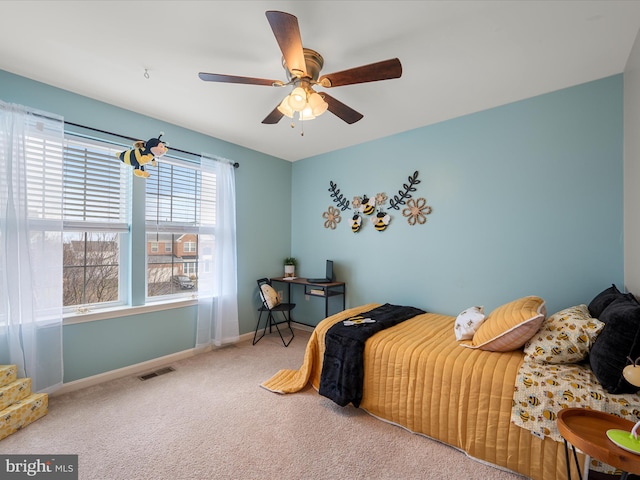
<point x="90" y="268"/>
<point x="96" y="214"/>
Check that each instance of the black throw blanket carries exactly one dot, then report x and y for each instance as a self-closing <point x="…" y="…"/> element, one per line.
<point x="343" y="367"/>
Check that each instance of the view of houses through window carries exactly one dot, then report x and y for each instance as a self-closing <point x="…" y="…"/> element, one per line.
<point x="172" y="264"/>
<point x="177" y="252"/>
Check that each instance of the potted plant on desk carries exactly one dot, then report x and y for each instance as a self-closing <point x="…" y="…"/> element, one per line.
<point x="290" y="267"/>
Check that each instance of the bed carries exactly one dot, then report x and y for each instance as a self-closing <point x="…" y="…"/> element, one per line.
<point x="419" y="376"/>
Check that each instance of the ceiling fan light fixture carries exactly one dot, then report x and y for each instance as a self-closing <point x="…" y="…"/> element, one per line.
<point x="317" y="104"/>
<point x="298" y="99"/>
<point x="306" y="114"/>
<point x="285" y="109"/>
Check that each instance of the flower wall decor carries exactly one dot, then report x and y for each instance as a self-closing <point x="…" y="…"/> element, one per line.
<point x="381" y="198"/>
<point x="416" y="211"/>
<point x="364" y="206"/>
<point x="332" y="218"/>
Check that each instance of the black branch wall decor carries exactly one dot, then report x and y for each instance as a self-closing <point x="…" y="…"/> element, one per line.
<point x="338" y="198"/>
<point x="405" y="195"/>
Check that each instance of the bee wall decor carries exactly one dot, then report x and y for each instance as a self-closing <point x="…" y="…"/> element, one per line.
<point x="356" y="223"/>
<point x="365" y="206"/>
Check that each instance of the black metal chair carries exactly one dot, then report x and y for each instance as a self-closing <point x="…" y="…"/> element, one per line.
<point x="271" y="304"/>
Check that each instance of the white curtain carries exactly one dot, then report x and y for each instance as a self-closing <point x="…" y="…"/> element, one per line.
<point x="218" y="285"/>
<point x="31" y="162"/>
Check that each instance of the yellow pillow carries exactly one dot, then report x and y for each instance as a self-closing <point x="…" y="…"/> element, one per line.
<point x="509" y="326"/>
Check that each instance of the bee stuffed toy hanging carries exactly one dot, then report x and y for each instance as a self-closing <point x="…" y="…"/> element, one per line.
<point x="144" y="153"/>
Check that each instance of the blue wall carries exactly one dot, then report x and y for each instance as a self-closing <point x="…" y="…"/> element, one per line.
<point x="263" y="241"/>
<point x="526" y="198"/>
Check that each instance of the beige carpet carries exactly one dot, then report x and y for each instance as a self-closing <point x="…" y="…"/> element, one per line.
<point x="210" y="419"/>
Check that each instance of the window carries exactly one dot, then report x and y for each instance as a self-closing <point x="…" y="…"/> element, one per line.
<point x="91" y="268"/>
<point x="174" y="197"/>
<point x="189" y="268"/>
<point x="96" y="191"/>
<point x="96" y="214"/>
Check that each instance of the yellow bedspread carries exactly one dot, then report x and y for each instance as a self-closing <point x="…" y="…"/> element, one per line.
<point x="417" y="376"/>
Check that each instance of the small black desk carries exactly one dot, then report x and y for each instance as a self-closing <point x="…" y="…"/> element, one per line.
<point x="325" y="290"/>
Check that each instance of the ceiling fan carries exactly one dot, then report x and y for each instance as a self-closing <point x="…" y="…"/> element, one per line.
<point x="303" y="66"/>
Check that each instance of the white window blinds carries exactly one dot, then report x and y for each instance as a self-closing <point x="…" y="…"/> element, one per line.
<point x="176" y="192"/>
<point x="43" y="155"/>
<point x="96" y="187"/>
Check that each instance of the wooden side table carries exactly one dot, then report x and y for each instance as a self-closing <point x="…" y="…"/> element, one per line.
<point x="586" y="430"/>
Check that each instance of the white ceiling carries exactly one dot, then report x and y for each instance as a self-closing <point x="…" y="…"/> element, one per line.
<point x="458" y="57"/>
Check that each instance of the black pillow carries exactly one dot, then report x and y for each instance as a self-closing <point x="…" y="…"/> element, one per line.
<point x="619" y="339"/>
<point x="602" y="300"/>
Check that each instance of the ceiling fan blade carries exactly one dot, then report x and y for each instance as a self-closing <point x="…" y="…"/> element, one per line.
<point x="215" y="77"/>
<point x="341" y="110"/>
<point x="287" y="32"/>
<point x="274" y="117"/>
<point x="385" y="70"/>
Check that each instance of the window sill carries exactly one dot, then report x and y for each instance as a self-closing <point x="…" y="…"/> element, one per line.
<point x="126" y="310"/>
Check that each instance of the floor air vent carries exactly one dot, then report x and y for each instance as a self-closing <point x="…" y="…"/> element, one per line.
<point x="157" y="373"/>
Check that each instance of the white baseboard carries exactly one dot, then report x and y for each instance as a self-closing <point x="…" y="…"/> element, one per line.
<point x="302" y="326"/>
<point x="138" y="368"/>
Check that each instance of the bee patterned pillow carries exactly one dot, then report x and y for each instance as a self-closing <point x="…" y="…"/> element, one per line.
<point x="564" y="337"/>
<point x="468" y="322"/>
